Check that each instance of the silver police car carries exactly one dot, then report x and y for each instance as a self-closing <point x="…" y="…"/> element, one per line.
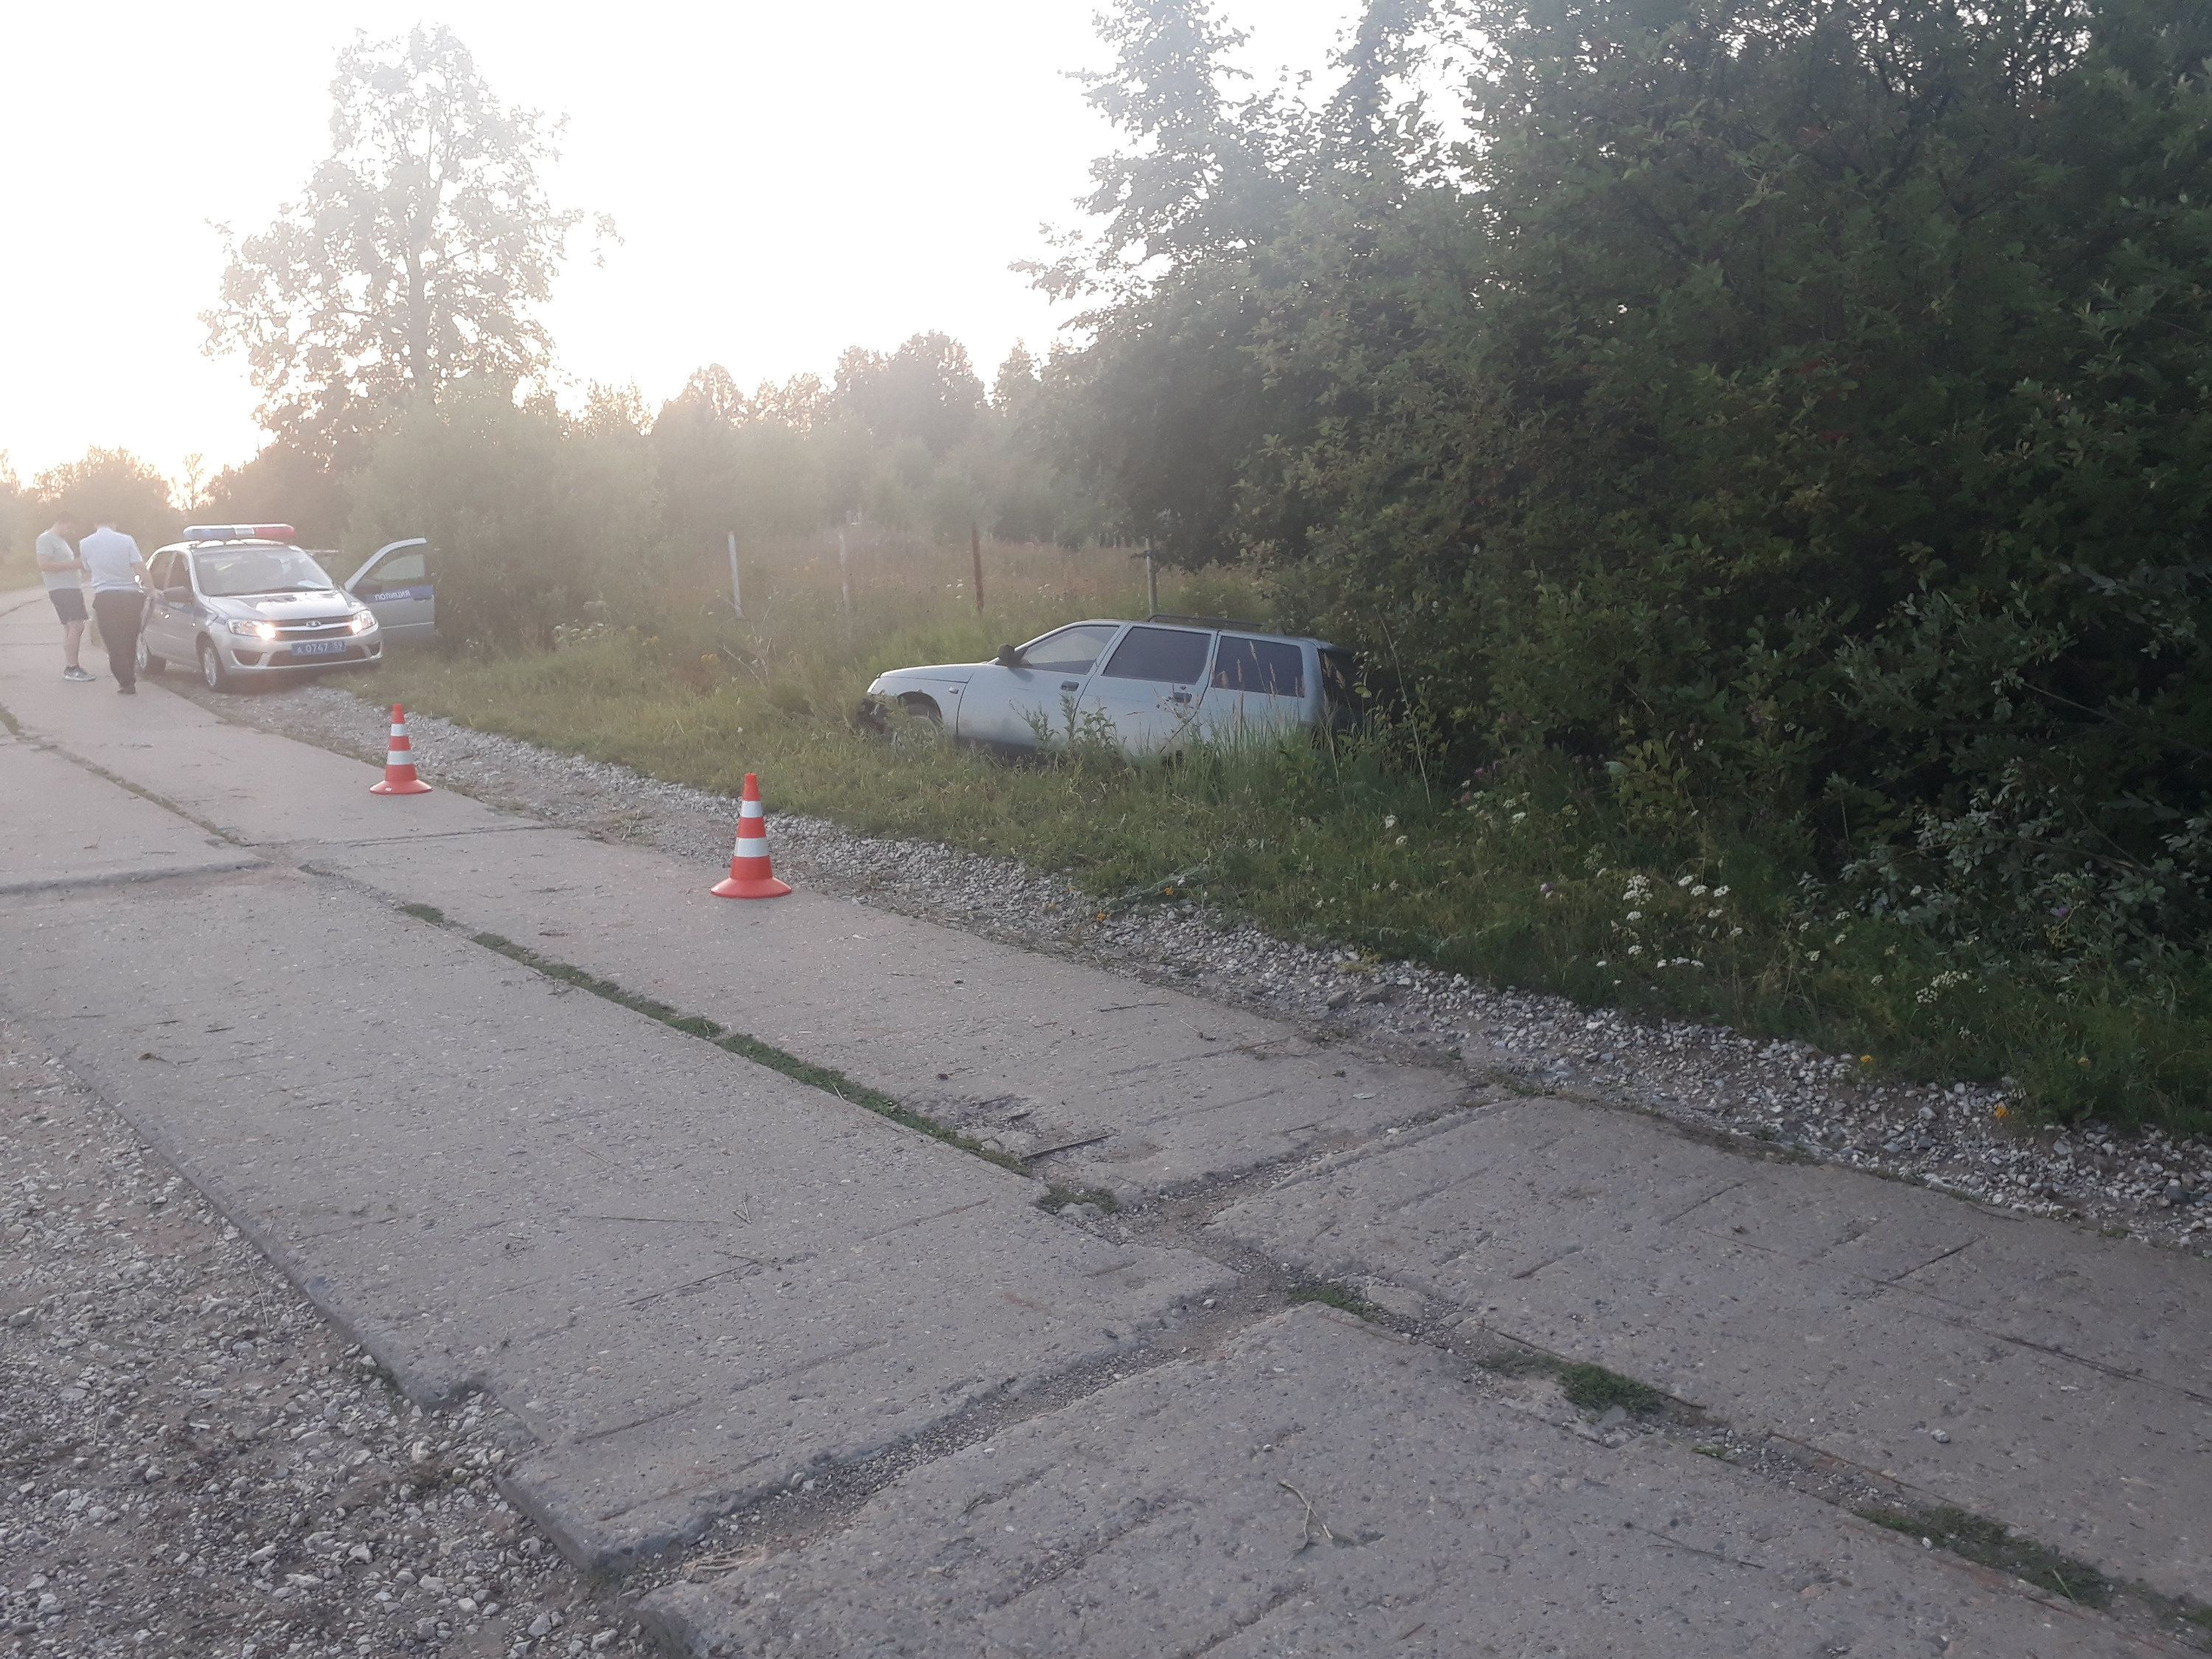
<point x="241" y="602"/>
<point x="1155" y="684"/>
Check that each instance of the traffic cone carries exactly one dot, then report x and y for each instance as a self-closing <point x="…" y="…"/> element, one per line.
<point x="749" y="876"/>
<point x="399" y="777"/>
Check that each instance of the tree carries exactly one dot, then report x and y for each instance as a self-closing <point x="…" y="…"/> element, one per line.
<point x="284" y="483"/>
<point x="1801" y="399"/>
<point x="927" y="390"/>
<point x="418" y="253"/>
<point x="109" y="484"/>
<point x="534" y="516"/>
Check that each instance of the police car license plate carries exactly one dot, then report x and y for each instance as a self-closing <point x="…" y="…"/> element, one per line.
<point x="319" y="647"/>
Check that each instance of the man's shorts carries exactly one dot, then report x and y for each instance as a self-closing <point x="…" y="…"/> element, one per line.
<point x="69" y="603"/>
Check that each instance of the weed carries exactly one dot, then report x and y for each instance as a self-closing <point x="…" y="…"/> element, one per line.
<point x="1593" y="1387"/>
<point x="1335" y="1295"/>
<point x="1981" y="1539"/>
<point x="1057" y="1199"/>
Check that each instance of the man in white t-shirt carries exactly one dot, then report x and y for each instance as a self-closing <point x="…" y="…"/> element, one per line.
<point x="118" y="600"/>
<point x="64" y="572"/>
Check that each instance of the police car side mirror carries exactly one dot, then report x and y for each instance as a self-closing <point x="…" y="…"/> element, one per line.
<point x="1008" y="656"/>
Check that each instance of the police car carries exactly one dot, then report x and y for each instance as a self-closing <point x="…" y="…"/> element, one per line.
<point x="241" y="602"/>
<point x="1155" y="684"/>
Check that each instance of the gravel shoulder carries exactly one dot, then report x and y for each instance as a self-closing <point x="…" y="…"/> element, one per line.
<point x="195" y="1464"/>
<point x="1786" y="1096"/>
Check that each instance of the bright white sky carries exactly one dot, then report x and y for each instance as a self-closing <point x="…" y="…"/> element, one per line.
<point x="788" y="180"/>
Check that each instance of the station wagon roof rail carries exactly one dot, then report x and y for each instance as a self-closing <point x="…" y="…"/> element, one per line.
<point x="1211" y="621"/>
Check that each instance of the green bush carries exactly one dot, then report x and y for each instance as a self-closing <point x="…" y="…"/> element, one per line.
<point x="1801" y="411"/>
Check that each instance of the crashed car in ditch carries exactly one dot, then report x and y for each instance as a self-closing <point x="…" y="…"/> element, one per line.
<point x="1152" y="685"/>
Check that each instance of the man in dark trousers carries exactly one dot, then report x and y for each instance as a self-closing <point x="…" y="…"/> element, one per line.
<point x="118" y="602"/>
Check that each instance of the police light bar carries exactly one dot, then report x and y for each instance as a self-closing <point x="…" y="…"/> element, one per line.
<point x="238" y="532"/>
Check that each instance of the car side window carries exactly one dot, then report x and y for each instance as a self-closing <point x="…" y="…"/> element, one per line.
<point x="1070" y="651"/>
<point x="1272" y="667"/>
<point x="162" y="573"/>
<point x="404" y="569"/>
<point x="1175" y="655"/>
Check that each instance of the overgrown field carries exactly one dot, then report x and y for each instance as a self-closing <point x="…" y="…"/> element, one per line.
<point x="1551" y="877"/>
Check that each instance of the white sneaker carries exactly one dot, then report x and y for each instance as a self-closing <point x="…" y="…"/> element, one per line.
<point x="76" y="674"/>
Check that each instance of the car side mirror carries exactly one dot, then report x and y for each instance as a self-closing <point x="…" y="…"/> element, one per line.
<point x="1008" y="656"/>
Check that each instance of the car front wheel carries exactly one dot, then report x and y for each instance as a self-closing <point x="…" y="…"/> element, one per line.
<point x="147" y="662"/>
<point x="215" y="675"/>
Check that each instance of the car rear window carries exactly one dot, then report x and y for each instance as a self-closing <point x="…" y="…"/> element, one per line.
<point x="1175" y="655"/>
<point x="1272" y="668"/>
<point x="1338" y="668"/>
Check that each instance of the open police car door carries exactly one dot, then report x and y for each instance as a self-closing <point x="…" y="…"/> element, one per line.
<point x="397" y="584"/>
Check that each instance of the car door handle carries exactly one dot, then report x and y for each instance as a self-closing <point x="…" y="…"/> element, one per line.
<point x="1071" y="685"/>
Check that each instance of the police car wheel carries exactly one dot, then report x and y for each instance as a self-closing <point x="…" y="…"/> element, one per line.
<point x="147" y="662"/>
<point x="212" y="672"/>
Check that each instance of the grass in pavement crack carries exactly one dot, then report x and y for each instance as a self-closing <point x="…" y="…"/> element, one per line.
<point x="1982" y="1539"/>
<point x="1057" y="1199"/>
<point x="735" y="1043"/>
<point x="1592" y="1387"/>
<point x="1334" y="1296"/>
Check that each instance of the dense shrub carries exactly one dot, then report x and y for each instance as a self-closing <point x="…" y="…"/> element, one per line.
<point x="1803" y="410"/>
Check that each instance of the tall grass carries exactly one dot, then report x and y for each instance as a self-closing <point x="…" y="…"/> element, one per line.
<point x="1538" y="877"/>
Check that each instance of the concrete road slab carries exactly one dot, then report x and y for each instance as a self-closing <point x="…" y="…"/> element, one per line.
<point x="687" y="1274"/>
<point x="1156" y="1089"/>
<point x="1325" y="1489"/>
<point x="2069" y="1376"/>
<point x="68" y="827"/>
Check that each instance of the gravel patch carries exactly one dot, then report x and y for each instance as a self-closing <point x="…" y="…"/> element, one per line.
<point x="1963" y="1139"/>
<point x="194" y="1463"/>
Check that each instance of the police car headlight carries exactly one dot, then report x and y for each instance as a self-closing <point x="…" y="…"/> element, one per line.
<point x="255" y="630"/>
<point x="363" y="620"/>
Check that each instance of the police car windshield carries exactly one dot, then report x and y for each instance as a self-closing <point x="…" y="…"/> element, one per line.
<point x="232" y="572"/>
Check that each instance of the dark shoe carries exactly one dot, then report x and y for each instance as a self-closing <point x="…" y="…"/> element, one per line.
<point x="126" y="690"/>
<point x="76" y="674"/>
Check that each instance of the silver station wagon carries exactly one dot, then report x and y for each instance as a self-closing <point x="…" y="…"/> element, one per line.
<point x="1155" y="684"/>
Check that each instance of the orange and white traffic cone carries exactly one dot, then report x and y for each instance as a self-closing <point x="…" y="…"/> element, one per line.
<point x="399" y="777"/>
<point x="749" y="877"/>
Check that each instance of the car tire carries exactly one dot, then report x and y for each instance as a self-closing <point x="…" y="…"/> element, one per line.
<point x="213" y="674"/>
<point x="147" y="662"/>
<point x="920" y="708"/>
